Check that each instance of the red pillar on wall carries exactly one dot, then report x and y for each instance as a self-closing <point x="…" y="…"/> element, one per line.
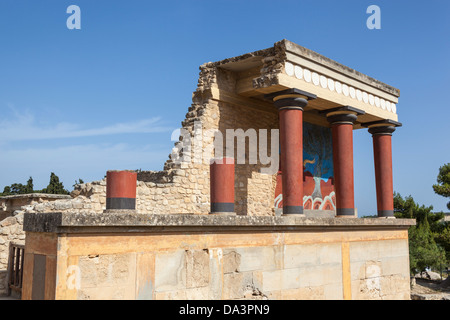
<point x="382" y="150"/>
<point x="342" y="120"/>
<point x="222" y="185"/>
<point x="290" y="104"/>
<point x="121" y="190"/>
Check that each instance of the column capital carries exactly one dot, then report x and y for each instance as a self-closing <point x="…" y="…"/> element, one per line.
<point x="290" y="98"/>
<point x="382" y="127"/>
<point x="342" y="115"/>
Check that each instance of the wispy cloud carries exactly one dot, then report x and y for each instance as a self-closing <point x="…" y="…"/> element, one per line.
<point x="23" y="126"/>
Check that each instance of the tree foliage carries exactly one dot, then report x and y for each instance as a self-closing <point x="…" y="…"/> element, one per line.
<point x="54" y="187"/>
<point x="442" y="187"/>
<point x="424" y="250"/>
<point x="18" y="188"/>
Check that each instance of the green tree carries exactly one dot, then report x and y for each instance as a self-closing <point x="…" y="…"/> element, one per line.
<point x="424" y="252"/>
<point x="442" y="187"/>
<point x="6" y="191"/>
<point x="18" y="188"/>
<point x="409" y="209"/>
<point x="442" y="238"/>
<point x="29" y="188"/>
<point x="55" y="186"/>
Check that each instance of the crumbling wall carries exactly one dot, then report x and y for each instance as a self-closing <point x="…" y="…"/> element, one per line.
<point x="11" y="230"/>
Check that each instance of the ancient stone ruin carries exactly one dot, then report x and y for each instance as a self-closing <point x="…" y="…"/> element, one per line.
<point x="256" y="200"/>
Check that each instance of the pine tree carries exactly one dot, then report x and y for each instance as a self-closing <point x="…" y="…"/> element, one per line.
<point x="29" y="187"/>
<point x="424" y="252"/>
<point x="55" y="186"/>
<point x="442" y="187"/>
<point x="6" y="191"/>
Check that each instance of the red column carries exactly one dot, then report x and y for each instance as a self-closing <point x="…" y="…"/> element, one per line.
<point x="342" y="120"/>
<point x="382" y="150"/>
<point x="290" y="104"/>
<point x="121" y="190"/>
<point x="222" y="185"/>
<point x="342" y="135"/>
<point x="291" y="144"/>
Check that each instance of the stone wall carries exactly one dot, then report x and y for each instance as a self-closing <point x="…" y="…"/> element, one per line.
<point x="9" y="204"/>
<point x="217" y="257"/>
<point x="11" y="230"/>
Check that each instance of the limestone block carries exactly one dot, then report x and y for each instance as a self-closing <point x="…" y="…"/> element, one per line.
<point x="97" y="207"/>
<point x="8" y="222"/>
<point x="77" y="204"/>
<point x="100" y="271"/>
<point x="259" y="258"/>
<point x="170" y="271"/>
<point x="394" y="285"/>
<point x="98" y="189"/>
<point x="197" y="268"/>
<point x="272" y="281"/>
<point x="237" y="285"/>
<point x="15" y="229"/>
<point x="296" y="256"/>
<point x="365" y="250"/>
<point x="395" y="265"/>
<point x="62" y="205"/>
<point x="231" y="261"/>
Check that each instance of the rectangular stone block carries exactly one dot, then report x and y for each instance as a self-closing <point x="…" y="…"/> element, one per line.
<point x="395" y="266"/>
<point x="237" y="285"/>
<point x="197" y="268"/>
<point x="231" y="261"/>
<point x="320" y="275"/>
<point x="365" y="250"/>
<point x="394" y="285"/>
<point x="272" y="280"/>
<point x="260" y="258"/>
<point x="170" y="271"/>
<point x="394" y="248"/>
<point x="107" y="270"/>
<point x="297" y="256"/>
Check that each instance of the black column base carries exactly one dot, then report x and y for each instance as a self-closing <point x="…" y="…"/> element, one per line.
<point x="222" y="207"/>
<point x="120" y="203"/>
<point x="345" y="212"/>
<point x="287" y="210"/>
<point x="386" y="213"/>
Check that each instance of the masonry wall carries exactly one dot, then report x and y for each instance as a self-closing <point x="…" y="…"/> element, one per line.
<point x="11" y="230"/>
<point x="221" y="265"/>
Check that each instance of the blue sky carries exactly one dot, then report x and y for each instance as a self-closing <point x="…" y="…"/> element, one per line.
<point x="108" y="96"/>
